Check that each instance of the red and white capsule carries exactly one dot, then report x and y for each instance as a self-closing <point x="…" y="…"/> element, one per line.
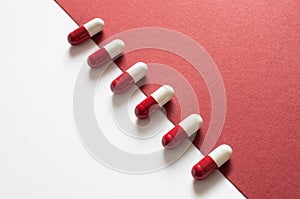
<point x="212" y="162"/>
<point x="106" y="54"/>
<point x="86" y="31"/>
<point x="154" y="102"/>
<point x="182" y="131"/>
<point x="131" y="76"/>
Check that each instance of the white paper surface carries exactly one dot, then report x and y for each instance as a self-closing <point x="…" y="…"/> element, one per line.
<point x="41" y="153"/>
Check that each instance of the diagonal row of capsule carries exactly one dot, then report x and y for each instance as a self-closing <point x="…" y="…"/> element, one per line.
<point x="152" y="103"/>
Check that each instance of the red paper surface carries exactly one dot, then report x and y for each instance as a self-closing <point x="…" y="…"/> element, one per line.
<point x="256" y="46"/>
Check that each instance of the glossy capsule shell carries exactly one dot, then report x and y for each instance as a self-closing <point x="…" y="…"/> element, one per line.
<point x="154" y="102"/>
<point x="128" y="78"/>
<point x="212" y="162"/>
<point x="86" y="31"/>
<point x="106" y="54"/>
<point x="182" y="131"/>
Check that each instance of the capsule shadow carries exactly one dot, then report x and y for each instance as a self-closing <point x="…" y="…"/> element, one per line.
<point x="97" y="38"/>
<point x="196" y="138"/>
<point x="203" y="186"/>
<point x="172" y="155"/>
<point x="95" y="73"/>
<point x="83" y="48"/>
<point x="225" y="168"/>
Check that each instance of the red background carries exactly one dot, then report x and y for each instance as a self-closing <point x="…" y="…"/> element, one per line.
<point x="256" y="46"/>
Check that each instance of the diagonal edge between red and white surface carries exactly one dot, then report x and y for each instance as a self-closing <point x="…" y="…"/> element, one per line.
<point x="256" y="48"/>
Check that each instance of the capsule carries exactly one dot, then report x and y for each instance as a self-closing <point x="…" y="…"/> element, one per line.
<point x="182" y="131"/>
<point x="154" y="102"/>
<point x="86" y="31"/>
<point x="106" y="54"/>
<point x="131" y="76"/>
<point x="212" y="162"/>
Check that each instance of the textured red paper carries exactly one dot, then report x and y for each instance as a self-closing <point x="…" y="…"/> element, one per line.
<point x="256" y="46"/>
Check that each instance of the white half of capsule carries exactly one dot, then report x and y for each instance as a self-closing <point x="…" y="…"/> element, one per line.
<point x="191" y="124"/>
<point x="221" y="154"/>
<point x="94" y="26"/>
<point x="163" y="95"/>
<point x="137" y="71"/>
<point x="114" y="48"/>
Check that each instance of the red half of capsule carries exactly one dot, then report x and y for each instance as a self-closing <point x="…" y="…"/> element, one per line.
<point x="204" y="168"/>
<point x="79" y="35"/>
<point x="174" y="137"/>
<point x="121" y="83"/>
<point x="99" y="58"/>
<point x="144" y="109"/>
